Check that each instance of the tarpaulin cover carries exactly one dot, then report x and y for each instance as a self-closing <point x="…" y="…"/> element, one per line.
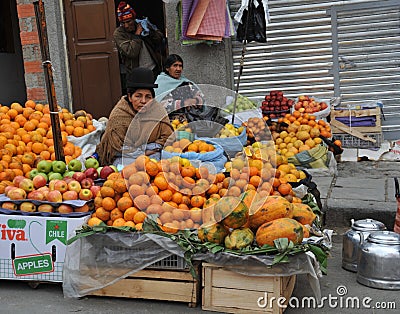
<point x="96" y="261"/>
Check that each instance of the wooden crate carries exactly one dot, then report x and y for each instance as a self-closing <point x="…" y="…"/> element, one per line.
<point x="230" y="292"/>
<point x="167" y="285"/>
<point x="356" y="113"/>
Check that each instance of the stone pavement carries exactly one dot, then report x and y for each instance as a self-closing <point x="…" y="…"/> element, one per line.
<point x="363" y="189"/>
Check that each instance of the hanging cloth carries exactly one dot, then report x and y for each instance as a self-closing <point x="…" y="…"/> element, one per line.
<point x="257" y="21"/>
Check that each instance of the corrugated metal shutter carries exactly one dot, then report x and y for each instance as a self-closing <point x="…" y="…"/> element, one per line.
<point x="297" y="57"/>
<point x="366" y="54"/>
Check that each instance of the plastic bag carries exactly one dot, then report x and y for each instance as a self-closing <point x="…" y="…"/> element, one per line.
<point x="205" y="121"/>
<point x="214" y="160"/>
<point x="256" y="29"/>
<point x="89" y="141"/>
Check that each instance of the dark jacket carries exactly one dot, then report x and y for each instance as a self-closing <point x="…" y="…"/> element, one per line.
<point x="130" y="44"/>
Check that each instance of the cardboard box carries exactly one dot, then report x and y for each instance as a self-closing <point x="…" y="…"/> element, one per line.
<point x="231" y="292"/>
<point x="33" y="247"/>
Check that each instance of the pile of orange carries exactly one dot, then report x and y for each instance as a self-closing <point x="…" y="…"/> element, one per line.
<point x="185" y="145"/>
<point x="181" y="195"/>
<point x="299" y="118"/>
<point x="26" y="137"/>
<point x="114" y="205"/>
<point x="271" y="176"/>
<point x="302" y="133"/>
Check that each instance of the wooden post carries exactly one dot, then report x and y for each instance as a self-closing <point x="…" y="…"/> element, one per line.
<point x="48" y="73"/>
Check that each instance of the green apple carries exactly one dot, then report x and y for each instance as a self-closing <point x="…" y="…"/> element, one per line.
<point x="75" y="165"/>
<point x="68" y="174"/>
<point x="59" y="166"/>
<point x="33" y="173"/>
<point x="91" y="163"/>
<point x="115" y="168"/>
<point x="99" y="170"/>
<point x="44" y="166"/>
<point x="55" y="175"/>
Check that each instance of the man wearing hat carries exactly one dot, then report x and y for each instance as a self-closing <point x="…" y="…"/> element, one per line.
<point x="134" y="48"/>
<point x="137" y="124"/>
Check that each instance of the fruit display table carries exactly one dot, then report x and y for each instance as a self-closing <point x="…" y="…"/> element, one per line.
<point x="33" y="248"/>
<point x="132" y="264"/>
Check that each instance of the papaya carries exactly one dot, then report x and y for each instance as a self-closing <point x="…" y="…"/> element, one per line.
<point x="231" y="212"/>
<point x="279" y="228"/>
<point x="239" y="238"/>
<point x="273" y="208"/>
<point x="303" y="214"/>
<point x="215" y="233"/>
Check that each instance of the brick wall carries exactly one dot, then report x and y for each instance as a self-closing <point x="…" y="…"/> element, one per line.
<point x="34" y="77"/>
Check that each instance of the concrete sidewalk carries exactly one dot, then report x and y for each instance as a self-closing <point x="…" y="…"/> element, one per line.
<point x="363" y="189"/>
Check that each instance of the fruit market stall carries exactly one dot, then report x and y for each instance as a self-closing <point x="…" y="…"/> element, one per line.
<point x="42" y="200"/>
<point x="198" y="204"/>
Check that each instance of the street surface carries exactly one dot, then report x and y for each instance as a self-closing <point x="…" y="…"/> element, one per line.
<point x="18" y="297"/>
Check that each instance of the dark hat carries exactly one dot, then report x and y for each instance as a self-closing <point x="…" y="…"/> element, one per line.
<point x="140" y="78"/>
<point x="125" y="12"/>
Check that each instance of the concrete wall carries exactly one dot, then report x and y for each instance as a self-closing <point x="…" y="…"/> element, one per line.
<point x="57" y="47"/>
<point x="203" y="64"/>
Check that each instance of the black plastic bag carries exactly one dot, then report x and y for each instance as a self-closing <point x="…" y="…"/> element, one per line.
<point x="256" y="29"/>
<point x="205" y="121"/>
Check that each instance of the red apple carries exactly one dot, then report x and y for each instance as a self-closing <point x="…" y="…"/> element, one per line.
<point x="9" y="206"/>
<point x="70" y="195"/>
<point x="95" y="189"/>
<point x="83" y="209"/>
<point x="17" y="194"/>
<point x="106" y="171"/>
<point x="87" y="183"/>
<point x="39" y="181"/>
<point x="36" y="195"/>
<point x="17" y="180"/>
<point x="68" y="179"/>
<point x="74" y="185"/>
<point x="52" y="183"/>
<point x="45" y="190"/>
<point x="61" y="186"/>
<point x="27" y="207"/>
<point x="91" y="173"/>
<point x="85" y="194"/>
<point x="54" y="196"/>
<point x="79" y="176"/>
<point x="8" y="188"/>
<point x="46" y="208"/>
<point x="65" y="209"/>
<point x="26" y="185"/>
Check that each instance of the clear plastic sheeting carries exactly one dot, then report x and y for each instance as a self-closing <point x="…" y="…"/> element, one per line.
<point x="96" y="261"/>
<point x="99" y="260"/>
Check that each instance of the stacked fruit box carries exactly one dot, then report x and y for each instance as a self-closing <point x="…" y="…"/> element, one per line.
<point x="347" y="126"/>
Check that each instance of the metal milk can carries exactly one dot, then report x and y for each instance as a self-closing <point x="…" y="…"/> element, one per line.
<point x="352" y="239"/>
<point x="378" y="261"/>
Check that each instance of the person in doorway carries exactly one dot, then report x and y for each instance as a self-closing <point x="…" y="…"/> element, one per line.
<point x="174" y="90"/>
<point x="137" y="124"/>
<point x="139" y="43"/>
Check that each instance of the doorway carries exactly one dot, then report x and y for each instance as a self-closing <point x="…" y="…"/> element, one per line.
<point x="154" y="11"/>
<point x="12" y="83"/>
